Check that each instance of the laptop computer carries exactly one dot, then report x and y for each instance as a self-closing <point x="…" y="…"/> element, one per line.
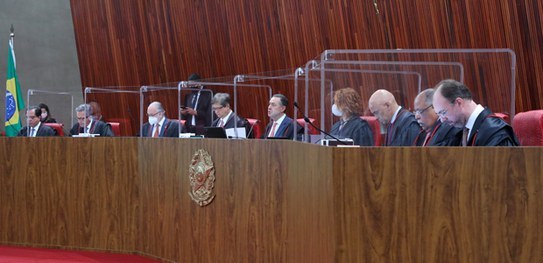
<point x="214" y="132"/>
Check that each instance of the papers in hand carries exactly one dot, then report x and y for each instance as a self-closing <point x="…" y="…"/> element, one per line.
<point x="236" y="133"/>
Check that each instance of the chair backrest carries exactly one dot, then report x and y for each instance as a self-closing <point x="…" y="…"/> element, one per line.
<point x="59" y="127"/>
<point x="116" y="128"/>
<point x="528" y="127"/>
<point x="503" y="116"/>
<point x="375" y="128"/>
<point x="310" y="129"/>
<point x="257" y="130"/>
<point x="127" y="126"/>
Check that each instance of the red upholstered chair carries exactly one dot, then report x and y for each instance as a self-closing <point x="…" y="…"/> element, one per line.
<point x="375" y="128"/>
<point x="310" y="129"/>
<point x="59" y="127"/>
<point x="116" y="128"/>
<point x="504" y="116"/>
<point x="257" y="130"/>
<point x="528" y="127"/>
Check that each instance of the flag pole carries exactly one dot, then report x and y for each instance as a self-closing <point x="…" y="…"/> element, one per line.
<point x="11" y="38"/>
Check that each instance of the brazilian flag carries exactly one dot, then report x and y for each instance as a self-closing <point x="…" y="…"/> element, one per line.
<point x="14" y="97"/>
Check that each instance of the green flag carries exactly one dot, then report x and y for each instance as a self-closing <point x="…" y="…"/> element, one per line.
<point x="14" y="97"/>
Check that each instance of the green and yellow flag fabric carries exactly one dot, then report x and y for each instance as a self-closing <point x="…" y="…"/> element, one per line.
<point x="14" y="97"/>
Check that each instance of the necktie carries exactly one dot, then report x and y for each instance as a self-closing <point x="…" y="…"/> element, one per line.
<point x="221" y="124"/>
<point x="427" y="139"/>
<point x="32" y="132"/>
<point x="157" y="130"/>
<point x="465" y="137"/>
<point x="272" y="132"/>
<point x="341" y="125"/>
<point x="194" y="105"/>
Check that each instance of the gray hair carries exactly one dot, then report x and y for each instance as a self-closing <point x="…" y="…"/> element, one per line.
<point x="84" y="108"/>
<point x="428" y="96"/>
<point x="221" y="98"/>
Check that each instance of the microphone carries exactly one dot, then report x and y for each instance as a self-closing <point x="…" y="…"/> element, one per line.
<point x="251" y="130"/>
<point x="308" y="121"/>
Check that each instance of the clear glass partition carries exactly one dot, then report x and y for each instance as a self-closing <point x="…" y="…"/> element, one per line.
<point x="116" y="105"/>
<point x="60" y="105"/>
<point x="489" y="73"/>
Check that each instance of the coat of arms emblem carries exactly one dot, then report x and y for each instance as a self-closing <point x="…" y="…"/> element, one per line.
<point x="202" y="178"/>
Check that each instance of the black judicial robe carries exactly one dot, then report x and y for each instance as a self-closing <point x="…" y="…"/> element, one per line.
<point x="404" y="131"/>
<point x="355" y="128"/>
<point x="444" y="134"/>
<point x="490" y="130"/>
<point x="97" y="127"/>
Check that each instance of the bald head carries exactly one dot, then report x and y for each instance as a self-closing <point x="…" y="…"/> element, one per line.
<point x="382" y="104"/>
<point x="155" y="109"/>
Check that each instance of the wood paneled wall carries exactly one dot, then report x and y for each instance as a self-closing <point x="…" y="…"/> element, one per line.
<point x="124" y="42"/>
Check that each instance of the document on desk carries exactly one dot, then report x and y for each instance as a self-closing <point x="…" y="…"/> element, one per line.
<point x="231" y="132"/>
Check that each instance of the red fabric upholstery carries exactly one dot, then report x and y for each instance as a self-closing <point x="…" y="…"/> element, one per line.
<point x="59" y="127"/>
<point x="127" y="126"/>
<point x="310" y="129"/>
<point x="375" y="128"/>
<point x="503" y="116"/>
<point x="528" y="127"/>
<point x="257" y="130"/>
<point x="116" y="128"/>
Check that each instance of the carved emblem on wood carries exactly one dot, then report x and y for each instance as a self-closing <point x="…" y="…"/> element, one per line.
<point x="202" y="178"/>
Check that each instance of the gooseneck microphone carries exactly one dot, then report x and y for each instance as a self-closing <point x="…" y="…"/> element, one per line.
<point x="308" y="121"/>
<point x="252" y="126"/>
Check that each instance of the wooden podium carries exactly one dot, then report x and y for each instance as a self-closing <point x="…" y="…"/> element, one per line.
<point x="276" y="201"/>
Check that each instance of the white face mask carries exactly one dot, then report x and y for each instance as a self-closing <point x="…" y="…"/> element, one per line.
<point x="153" y="120"/>
<point x="336" y="111"/>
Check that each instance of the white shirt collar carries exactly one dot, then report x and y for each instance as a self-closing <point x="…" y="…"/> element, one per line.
<point x="161" y="122"/>
<point x="225" y="119"/>
<point x="89" y="126"/>
<point x="280" y="120"/>
<point x="395" y="114"/>
<point x="473" y="117"/>
<point x="35" y="128"/>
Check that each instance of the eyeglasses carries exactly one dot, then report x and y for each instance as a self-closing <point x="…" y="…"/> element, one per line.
<point x="420" y="112"/>
<point x="153" y="115"/>
<point x="442" y="113"/>
<point x="217" y="108"/>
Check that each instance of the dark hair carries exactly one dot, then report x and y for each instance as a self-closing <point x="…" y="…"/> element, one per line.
<point x="194" y="76"/>
<point x="282" y="98"/>
<point x="36" y="109"/>
<point x="451" y="89"/>
<point x="43" y="106"/>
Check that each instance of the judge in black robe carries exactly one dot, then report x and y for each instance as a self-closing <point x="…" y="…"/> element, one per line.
<point x="404" y="130"/>
<point x="347" y="107"/>
<point x="490" y="130"/>
<point x="96" y="127"/>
